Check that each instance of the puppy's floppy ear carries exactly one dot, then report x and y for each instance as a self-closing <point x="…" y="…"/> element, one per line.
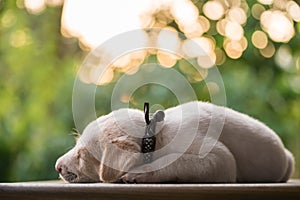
<point x="119" y="156"/>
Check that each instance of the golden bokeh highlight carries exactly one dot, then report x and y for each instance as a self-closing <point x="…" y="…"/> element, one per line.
<point x="244" y="43"/>
<point x="207" y="61"/>
<point x="196" y="22"/>
<point x="266" y="2"/>
<point x="294" y="10"/>
<point x="220" y="56"/>
<point x="214" y="10"/>
<point x="194" y="30"/>
<point x="191" y="48"/>
<point x="37" y="6"/>
<point x="233" y="48"/>
<point x="221" y="25"/>
<point x="213" y="88"/>
<point x="234" y="30"/>
<point x="130" y="68"/>
<point x="122" y="62"/>
<point x="166" y="59"/>
<point x="102" y="78"/>
<point x="259" y="39"/>
<point x="205" y="24"/>
<point x="279" y="4"/>
<point x="20" y="38"/>
<point x="125" y="98"/>
<point x="8" y="19"/>
<point x="268" y="51"/>
<point x="84" y="75"/>
<point x="200" y="46"/>
<point x="184" y="12"/>
<point x="168" y="39"/>
<point x="193" y="75"/>
<point x="284" y="58"/>
<point x="278" y="25"/>
<point x="257" y="10"/>
<point x="237" y="14"/>
<point x="197" y="28"/>
<point x="130" y="62"/>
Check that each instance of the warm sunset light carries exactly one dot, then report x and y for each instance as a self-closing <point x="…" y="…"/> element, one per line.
<point x="94" y="22"/>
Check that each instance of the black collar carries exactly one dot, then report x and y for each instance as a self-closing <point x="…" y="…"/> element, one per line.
<point x="149" y="139"/>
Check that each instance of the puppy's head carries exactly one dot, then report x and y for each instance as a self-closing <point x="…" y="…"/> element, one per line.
<point x="106" y="150"/>
<point x="78" y="166"/>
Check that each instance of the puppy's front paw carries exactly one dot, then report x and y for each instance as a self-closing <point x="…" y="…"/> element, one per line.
<point x="144" y="175"/>
<point x="137" y="177"/>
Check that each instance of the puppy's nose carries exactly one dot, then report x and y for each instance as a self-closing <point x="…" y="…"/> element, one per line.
<point x="58" y="167"/>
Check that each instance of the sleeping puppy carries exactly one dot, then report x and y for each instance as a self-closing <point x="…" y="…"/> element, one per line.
<point x="196" y="142"/>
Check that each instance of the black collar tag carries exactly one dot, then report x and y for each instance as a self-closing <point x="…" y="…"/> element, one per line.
<point x="149" y="139"/>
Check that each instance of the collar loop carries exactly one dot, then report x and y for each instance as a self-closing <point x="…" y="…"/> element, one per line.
<point x="149" y="139"/>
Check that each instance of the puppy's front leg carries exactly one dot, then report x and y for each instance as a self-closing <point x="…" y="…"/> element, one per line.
<point x="217" y="166"/>
<point x="157" y="171"/>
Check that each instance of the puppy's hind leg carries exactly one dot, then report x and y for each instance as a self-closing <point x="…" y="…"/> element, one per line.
<point x="290" y="166"/>
<point x="218" y="166"/>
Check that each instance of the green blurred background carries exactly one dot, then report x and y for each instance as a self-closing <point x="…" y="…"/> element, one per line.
<point x="38" y="67"/>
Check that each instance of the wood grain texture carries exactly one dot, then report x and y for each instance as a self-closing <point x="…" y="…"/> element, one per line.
<point x="59" y="190"/>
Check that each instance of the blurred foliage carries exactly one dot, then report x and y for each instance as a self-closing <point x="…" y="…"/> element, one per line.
<point x="37" y="73"/>
<point x="38" y="67"/>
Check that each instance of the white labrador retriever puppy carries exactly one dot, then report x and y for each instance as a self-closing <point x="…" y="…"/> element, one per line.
<point x="196" y="142"/>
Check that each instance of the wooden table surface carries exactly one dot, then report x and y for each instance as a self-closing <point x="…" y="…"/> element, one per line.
<point x="60" y="190"/>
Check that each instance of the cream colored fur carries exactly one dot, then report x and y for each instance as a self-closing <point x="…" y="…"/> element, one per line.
<point x="196" y="142"/>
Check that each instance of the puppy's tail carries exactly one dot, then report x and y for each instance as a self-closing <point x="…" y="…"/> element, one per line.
<point x="290" y="166"/>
